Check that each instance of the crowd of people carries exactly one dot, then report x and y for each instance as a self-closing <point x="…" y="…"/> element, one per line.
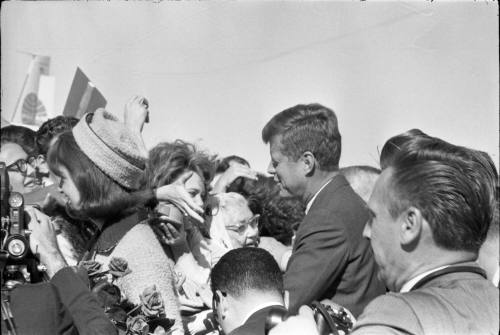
<point x="177" y="240"/>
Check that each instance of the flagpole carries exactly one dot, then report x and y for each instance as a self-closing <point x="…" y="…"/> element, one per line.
<point x="22" y="89"/>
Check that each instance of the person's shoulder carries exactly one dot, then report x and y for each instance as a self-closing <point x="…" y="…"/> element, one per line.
<point x="140" y="238"/>
<point x="141" y="230"/>
<point x="390" y="312"/>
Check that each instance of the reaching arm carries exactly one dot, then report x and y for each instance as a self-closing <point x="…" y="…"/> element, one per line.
<point x="88" y="317"/>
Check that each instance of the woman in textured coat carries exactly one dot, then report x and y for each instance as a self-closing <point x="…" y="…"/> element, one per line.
<point x="100" y="164"/>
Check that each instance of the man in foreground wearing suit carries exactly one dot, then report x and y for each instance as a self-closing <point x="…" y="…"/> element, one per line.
<point x="246" y="284"/>
<point x="330" y="258"/>
<point x="430" y="213"/>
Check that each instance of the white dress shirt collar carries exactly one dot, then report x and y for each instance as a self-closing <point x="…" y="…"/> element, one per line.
<point x="310" y="202"/>
<point x="410" y="283"/>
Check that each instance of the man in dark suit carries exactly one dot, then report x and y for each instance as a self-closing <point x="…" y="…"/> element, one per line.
<point x="246" y="284"/>
<point x="430" y="213"/>
<point x="330" y="259"/>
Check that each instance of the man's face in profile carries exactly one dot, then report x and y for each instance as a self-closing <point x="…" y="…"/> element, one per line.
<point x="15" y="159"/>
<point x="383" y="232"/>
<point x="286" y="172"/>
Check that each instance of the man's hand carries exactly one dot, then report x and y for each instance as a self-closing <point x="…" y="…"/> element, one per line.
<point x="234" y="171"/>
<point x="176" y="193"/>
<point x="43" y="241"/>
<point x="136" y="113"/>
<point x="301" y="324"/>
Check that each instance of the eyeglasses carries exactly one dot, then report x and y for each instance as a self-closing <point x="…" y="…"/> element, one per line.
<point x="18" y="166"/>
<point x="36" y="160"/>
<point x="240" y="229"/>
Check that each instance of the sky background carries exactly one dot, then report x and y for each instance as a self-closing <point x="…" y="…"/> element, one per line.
<point x="216" y="72"/>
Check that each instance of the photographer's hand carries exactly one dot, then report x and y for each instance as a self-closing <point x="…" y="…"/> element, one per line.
<point x="43" y="241"/>
<point x="303" y="323"/>
<point x="176" y="193"/>
<point x="236" y="170"/>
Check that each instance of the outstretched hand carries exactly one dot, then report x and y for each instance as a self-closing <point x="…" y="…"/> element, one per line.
<point x="176" y="193"/>
<point x="236" y="170"/>
<point x="136" y="113"/>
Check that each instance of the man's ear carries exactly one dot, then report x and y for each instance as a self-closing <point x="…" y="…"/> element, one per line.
<point x="411" y="228"/>
<point x="309" y="162"/>
<point x="223" y="303"/>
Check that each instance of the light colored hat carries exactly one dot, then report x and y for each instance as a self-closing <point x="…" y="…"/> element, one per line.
<point x="112" y="147"/>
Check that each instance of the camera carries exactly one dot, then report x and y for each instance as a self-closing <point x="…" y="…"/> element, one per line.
<point x="170" y="213"/>
<point x="17" y="264"/>
<point x="331" y="319"/>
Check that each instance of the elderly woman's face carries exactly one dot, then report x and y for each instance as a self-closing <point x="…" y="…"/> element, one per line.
<point x="243" y="228"/>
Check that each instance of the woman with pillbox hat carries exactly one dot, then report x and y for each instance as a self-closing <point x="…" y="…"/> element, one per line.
<point x="101" y="165"/>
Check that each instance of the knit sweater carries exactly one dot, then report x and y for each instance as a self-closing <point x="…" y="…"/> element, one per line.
<point x="149" y="265"/>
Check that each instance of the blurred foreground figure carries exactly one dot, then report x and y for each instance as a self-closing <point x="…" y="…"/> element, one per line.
<point x="246" y="284"/>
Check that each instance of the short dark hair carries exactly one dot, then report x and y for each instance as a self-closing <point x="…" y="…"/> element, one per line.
<point x="279" y="216"/>
<point x="224" y="163"/>
<point x="311" y="127"/>
<point x="20" y="135"/>
<point x="168" y="160"/>
<point x="453" y="186"/>
<point x="101" y="196"/>
<point x="398" y="143"/>
<point x="52" y="127"/>
<point x="244" y="269"/>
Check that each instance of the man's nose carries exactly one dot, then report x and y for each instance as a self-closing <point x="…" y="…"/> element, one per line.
<point x="270" y="169"/>
<point x="367" y="231"/>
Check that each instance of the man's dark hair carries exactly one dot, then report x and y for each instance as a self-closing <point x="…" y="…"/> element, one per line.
<point x="224" y="163"/>
<point x="304" y="128"/>
<point x="453" y="186"/>
<point x="51" y="128"/>
<point x="398" y="143"/>
<point x="20" y="135"/>
<point x="281" y="217"/>
<point x="244" y="269"/>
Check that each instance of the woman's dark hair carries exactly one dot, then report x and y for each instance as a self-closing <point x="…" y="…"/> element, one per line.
<point x="101" y="197"/>
<point x="23" y="136"/>
<point x="224" y="163"/>
<point x="52" y="127"/>
<point x="279" y="216"/>
<point x="167" y="161"/>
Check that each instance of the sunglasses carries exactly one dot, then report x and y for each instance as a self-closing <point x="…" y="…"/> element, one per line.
<point x="18" y="166"/>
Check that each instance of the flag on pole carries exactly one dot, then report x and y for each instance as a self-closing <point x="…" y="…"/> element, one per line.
<point x="83" y="97"/>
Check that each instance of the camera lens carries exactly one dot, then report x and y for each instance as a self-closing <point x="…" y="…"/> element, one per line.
<point x="16" y="247"/>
